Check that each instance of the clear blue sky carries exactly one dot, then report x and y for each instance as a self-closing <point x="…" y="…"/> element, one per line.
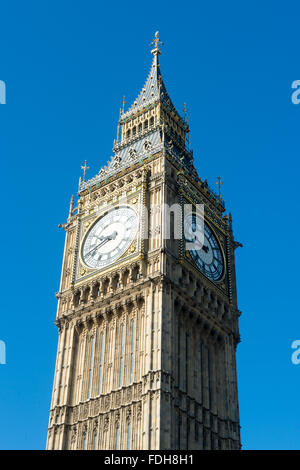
<point x="66" y="65"/>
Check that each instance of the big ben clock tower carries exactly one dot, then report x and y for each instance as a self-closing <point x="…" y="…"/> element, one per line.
<point x="147" y="313"/>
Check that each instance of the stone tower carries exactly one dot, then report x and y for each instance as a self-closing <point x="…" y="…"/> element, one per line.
<point x="148" y="329"/>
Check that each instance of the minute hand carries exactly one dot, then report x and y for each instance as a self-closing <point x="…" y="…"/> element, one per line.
<point x="106" y="239"/>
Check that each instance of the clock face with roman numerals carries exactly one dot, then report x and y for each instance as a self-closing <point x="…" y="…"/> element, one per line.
<point x="206" y="252"/>
<point x="109" y="237"/>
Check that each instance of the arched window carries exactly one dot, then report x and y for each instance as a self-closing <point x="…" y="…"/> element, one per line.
<point x="132" y="350"/>
<point x="134" y="131"/>
<point x="128" y="134"/>
<point x="146" y="124"/>
<point x="101" y="362"/>
<point x="125" y="277"/>
<point x="86" y="294"/>
<point x="95" y="440"/>
<point x="135" y="273"/>
<point x="76" y="299"/>
<point x="117" y="438"/>
<point x="152" y="121"/>
<point x="140" y="128"/>
<point x="96" y="290"/>
<point x="84" y="441"/>
<point x="116" y="281"/>
<point x="121" y="357"/>
<point x="91" y="366"/>
<point x="128" y="435"/>
<point x="105" y="286"/>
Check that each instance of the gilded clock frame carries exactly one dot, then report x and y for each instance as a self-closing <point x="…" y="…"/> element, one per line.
<point x="86" y="223"/>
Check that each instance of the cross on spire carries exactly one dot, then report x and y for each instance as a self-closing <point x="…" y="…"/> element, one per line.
<point x="157" y="42"/>
<point x="219" y="183"/>
<point x="84" y="168"/>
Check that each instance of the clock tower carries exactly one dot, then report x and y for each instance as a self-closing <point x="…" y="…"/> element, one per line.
<point x="147" y="307"/>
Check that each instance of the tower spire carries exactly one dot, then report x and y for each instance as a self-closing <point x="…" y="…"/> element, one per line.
<point x="149" y="124"/>
<point x="154" y="89"/>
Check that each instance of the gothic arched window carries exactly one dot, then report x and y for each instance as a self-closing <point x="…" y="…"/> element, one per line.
<point x="86" y="294"/>
<point x="96" y="290"/>
<point x="91" y="366"/>
<point x="121" y="356"/>
<point x="125" y="277"/>
<point x="132" y="350"/>
<point x="76" y="299"/>
<point x="117" y="438"/>
<point x="95" y="440"/>
<point x="128" y="435"/>
<point x="84" y="445"/>
<point x="101" y="362"/>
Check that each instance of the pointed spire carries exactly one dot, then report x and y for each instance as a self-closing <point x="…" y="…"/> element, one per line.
<point x="151" y="125"/>
<point x="154" y="88"/>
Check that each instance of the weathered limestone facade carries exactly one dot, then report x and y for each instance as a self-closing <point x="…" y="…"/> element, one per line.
<point x="147" y="345"/>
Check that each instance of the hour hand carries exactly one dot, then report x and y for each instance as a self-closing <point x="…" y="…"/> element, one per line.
<point x="112" y="236"/>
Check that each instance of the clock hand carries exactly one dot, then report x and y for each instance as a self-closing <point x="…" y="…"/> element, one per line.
<point x="204" y="247"/>
<point x="105" y="240"/>
<point x="97" y="236"/>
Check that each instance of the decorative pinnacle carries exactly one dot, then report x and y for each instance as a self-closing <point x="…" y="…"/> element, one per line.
<point x="71" y="206"/>
<point x="84" y="168"/>
<point x="185" y="110"/>
<point x="121" y="112"/>
<point x="157" y="42"/>
<point x="219" y="183"/>
<point x="123" y="104"/>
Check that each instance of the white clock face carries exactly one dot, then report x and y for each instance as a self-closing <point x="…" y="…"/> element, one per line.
<point x="109" y="237"/>
<point x="208" y="256"/>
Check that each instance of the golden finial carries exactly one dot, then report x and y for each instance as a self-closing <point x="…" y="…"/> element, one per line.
<point x="157" y="42"/>
<point x="123" y="104"/>
<point x="84" y="168"/>
<point x="219" y="183"/>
